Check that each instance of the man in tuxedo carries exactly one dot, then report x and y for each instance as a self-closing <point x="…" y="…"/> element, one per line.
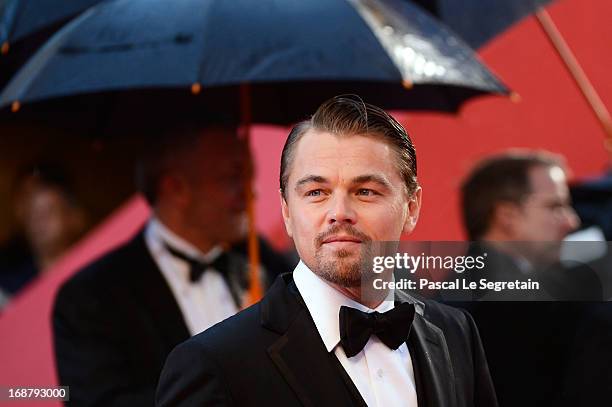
<point x="516" y="209"/>
<point x="348" y="180"/>
<point x="116" y="321"/>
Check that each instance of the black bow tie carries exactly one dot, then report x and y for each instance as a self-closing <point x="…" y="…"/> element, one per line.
<point x="391" y="327"/>
<point x="198" y="267"/>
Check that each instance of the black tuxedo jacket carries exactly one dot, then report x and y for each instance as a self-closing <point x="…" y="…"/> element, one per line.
<point x="529" y="343"/>
<point x="114" y="324"/>
<point x="272" y="354"/>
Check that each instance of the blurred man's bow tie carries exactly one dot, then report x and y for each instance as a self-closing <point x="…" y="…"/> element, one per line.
<point x="391" y="327"/>
<point x="198" y="267"/>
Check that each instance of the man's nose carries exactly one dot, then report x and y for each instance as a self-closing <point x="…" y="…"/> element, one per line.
<point x="570" y="220"/>
<point x="341" y="210"/>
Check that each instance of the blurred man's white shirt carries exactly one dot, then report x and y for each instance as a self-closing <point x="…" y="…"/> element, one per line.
<point x="203" y="303"/>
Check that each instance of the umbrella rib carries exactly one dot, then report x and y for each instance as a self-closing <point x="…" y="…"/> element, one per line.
<point x="369" y="17"/>
<point x="18" y="87"/>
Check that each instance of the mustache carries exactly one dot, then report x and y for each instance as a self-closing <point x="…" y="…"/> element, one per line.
<point x="345" y="229"/>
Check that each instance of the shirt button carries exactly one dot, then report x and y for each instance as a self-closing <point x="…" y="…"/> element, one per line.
<point x="380" y="373"/>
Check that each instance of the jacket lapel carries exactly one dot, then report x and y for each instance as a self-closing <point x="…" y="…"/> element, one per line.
<point x="437" y="380"/>
<point x="299" y="353"/>
<point x="430" y="351"/>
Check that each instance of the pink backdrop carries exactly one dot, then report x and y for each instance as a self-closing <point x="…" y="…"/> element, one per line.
<point x="551" y="114"/>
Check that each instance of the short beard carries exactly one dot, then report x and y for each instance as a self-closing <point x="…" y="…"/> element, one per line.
<point x="342" y="270"/>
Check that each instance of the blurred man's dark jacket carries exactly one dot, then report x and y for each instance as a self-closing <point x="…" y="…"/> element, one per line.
<point x="529" y="340"/>
<point x="115" y="322"/>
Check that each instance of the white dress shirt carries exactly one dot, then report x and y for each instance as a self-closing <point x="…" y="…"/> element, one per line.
<point x="384" y="377"/>
<point x="203" y="303"/>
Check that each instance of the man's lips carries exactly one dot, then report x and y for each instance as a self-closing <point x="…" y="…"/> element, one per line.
<point x="337" y="239"/>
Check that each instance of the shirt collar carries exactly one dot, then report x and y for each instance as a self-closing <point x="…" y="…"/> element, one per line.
<point x="159" y="235"/>
<point x="324" y="302"/>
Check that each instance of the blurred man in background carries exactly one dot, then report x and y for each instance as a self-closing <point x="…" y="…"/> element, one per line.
<point x="116" y="321"/>
<point x="589" y="373"/>
<point x="519" y="203"/>
<point x="516" y="208"/>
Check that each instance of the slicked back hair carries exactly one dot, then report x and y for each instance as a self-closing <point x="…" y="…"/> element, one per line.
<point x="498" y="179"/>
<point x="349" y="115"/>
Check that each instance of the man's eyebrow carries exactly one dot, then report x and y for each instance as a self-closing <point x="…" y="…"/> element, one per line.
<point x="310" y="178"/>
<point x="362" y="179"/>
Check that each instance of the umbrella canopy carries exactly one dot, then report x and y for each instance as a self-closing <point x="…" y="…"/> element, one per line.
<point x="320" y="47"/>
<point x="21" y="18"/>
<point x="26" y="24"/>
<point x="477" y="21"/>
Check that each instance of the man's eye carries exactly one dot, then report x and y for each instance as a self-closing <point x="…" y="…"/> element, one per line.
<point x="314" y="192"/>
<point x="365" y="192"/>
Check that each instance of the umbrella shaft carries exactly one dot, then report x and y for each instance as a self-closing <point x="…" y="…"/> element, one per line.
<point x="573" y="66"/>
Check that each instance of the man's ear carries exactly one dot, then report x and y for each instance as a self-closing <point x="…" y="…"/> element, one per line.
<point x="414" y="208"/>
<point x="505" y="216"/>
<point x="285" y="211"/>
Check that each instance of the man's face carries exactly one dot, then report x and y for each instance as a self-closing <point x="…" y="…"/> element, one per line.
<point x="51" y="222"/>
<point x="344" y="192"/>
<point x="216" y="181"/>
<point x="546" y="216"/>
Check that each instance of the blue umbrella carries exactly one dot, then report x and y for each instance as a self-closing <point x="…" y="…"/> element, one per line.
<point x="21" y="18"/>
<point x="389" y="51"/>
<point x="26" y="24"/>
<point x="478" y="21"/>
